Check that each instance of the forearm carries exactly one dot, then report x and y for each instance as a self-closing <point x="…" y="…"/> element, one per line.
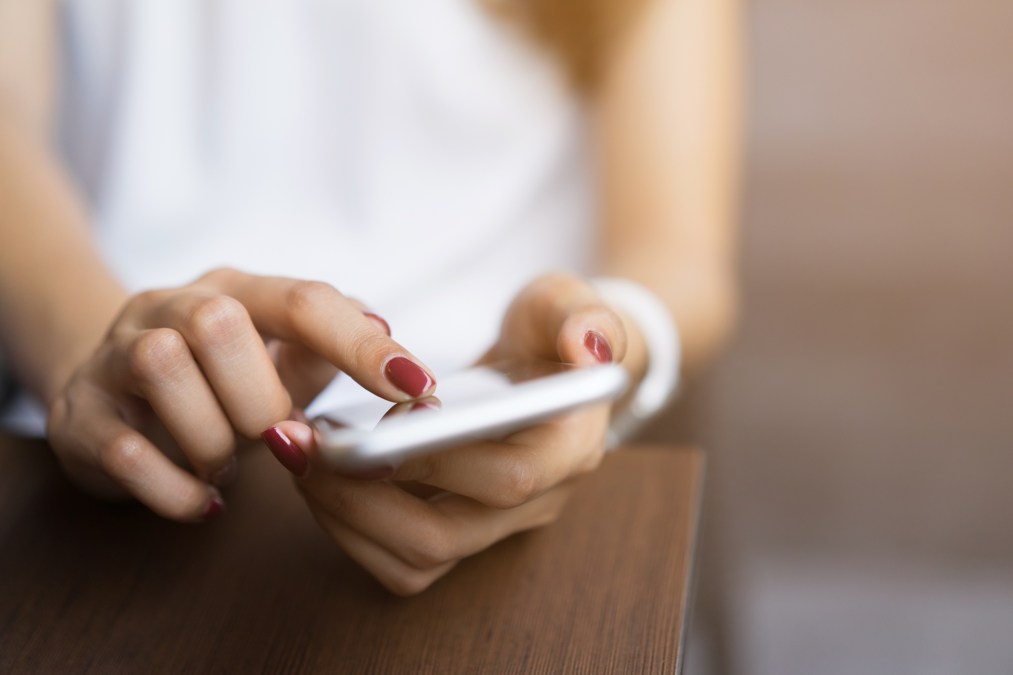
<point x="56" y="295"/>
<point x="669" y="152"/>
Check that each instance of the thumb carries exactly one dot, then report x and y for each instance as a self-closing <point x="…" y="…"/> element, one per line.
<point x="561" y="318"/>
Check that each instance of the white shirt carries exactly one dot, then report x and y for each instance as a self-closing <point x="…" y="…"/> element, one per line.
<point x="421" y="155"/>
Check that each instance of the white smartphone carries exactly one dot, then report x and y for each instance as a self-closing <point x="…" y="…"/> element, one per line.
<point x="486" y="402"/>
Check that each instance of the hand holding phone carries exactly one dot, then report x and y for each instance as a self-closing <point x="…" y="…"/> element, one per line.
<point x="413" y="522"/>
<point x="485" y="402"/>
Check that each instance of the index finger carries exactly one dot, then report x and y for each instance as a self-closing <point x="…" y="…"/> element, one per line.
<point x="317" y="315"/>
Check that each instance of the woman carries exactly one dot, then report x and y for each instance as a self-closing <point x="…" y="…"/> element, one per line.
<point x="434" y="159"/>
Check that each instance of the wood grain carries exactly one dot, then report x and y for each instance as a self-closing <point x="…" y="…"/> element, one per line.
<point x="87" y="587"/>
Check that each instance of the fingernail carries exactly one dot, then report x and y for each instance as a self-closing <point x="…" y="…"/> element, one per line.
<point x="424" y="405"/>
<point x="596" y="343"/>
<point x="214" y="509"/>
<point x="227" y="474"/>
<point x="286" y="452"/>
<point x="379" y="321"/>
<point x="408" y="376"/>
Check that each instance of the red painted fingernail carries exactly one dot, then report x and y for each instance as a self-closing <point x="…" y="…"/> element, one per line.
<point x="286" y="452"/>
<point x="598" y="346"/>
<point x="214" y="509"/>
<point x="379" y="321"/>
<point x="227" y="474"/>
<point x="408" y="376"/>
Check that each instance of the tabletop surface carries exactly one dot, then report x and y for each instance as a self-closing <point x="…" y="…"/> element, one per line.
<point x="92" y="587"/>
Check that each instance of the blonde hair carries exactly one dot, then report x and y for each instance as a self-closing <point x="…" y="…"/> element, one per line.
<point x="581" y="33"/>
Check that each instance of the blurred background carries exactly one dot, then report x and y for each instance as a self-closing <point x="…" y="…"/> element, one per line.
<point x="860" y="515"/>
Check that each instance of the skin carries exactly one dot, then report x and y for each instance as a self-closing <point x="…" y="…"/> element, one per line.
<point x="144" y="392"/>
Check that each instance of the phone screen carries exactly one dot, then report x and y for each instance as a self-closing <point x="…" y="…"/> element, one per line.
<point x="460" y="389"/>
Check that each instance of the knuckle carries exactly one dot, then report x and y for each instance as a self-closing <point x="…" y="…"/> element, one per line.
<point x="422" y="469"/>
<point x="432" y="547"/>
<point x="215" y="319"/>
<point x="369" y="347"/>
<point x="146" y="298"/>
<point x="140" y="303"/>
<point x="121" y="456"/>
<point x="518" y="483"/>
<point x="307" y="296"/>
<point x="157" y="354"/>
<point x="331" y="496"/>
<point x="218" y="276"/>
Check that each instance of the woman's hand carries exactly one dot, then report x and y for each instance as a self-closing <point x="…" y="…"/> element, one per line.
<point x="412" y="526"/>
<point x="184" y="374"/>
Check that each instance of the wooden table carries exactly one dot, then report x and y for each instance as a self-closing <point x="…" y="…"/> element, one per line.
<point x="92" y="587"/>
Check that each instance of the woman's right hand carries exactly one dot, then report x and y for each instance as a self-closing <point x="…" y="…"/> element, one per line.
<point x="183" y="374"/>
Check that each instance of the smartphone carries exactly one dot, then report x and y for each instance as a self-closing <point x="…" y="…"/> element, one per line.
<point x="482" y="403"/>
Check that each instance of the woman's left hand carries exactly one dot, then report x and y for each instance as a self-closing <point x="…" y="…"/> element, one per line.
<point x="412" y="526"/>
